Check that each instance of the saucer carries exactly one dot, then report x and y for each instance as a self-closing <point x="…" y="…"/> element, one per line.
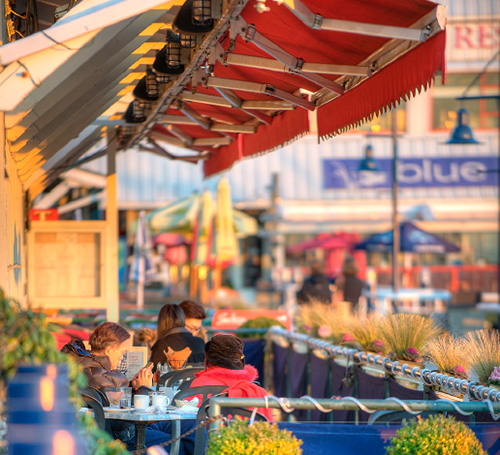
<point x="108" y="409"/>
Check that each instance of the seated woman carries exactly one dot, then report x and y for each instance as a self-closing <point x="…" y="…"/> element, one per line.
<point x="225" y="365"/>
<point x="172" y="333"/>
<point x="108" y="343"/>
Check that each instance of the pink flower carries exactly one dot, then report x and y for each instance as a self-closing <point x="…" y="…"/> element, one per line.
<point x="412" y="351"/>
<point x="325" y="331"/>
<point x="347" y="338"/>
<point x="378" y="343"/>
<point x="459" y="369"/>
<point x="306" y="327"/>
<point x="495" y="374"/>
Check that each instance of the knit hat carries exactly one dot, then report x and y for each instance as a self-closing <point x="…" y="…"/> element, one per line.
<point x="225" y="351"/>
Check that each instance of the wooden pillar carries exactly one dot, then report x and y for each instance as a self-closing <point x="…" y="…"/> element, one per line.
<point x="111" y="264"/>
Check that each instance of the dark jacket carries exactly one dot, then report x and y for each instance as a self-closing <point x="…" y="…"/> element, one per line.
<point x="97" y="368"/>
<point x="315" y="287"/>
<point x="351" y="288"/>
<point x="178" y="338"/>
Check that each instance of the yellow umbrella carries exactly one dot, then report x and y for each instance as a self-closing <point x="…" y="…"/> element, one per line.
<point x="226" y="248"/>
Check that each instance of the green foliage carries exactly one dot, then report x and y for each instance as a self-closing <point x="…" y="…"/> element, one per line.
<point x="403" y="334"/>
<point x="262" y="322"/>
<point x="436" y="435"/>
<point x="260" y="438"/>
<point x="25" y="337"/>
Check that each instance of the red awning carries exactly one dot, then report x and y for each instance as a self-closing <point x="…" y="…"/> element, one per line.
<point x="265" y="74"/>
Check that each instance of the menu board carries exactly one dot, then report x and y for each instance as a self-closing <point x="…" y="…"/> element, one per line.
<point x="133" y="361"/>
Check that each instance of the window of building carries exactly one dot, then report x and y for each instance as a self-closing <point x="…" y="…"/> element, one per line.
<point x="483" y="113"/>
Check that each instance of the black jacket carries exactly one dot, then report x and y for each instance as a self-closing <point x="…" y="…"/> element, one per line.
<point x="315" y="287"/>
<point x="178" y="338"/>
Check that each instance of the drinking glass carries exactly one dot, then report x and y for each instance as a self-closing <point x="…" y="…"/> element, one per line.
<point x="126" y="399"/>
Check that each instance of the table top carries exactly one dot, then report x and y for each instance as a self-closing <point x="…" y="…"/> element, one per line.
<point x="133" y="415"/>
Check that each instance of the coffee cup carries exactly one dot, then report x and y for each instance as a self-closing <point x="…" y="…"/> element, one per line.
<point x="141" y="401"/>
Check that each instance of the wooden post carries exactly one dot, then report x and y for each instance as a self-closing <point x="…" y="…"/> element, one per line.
<point x="111" y="264"/>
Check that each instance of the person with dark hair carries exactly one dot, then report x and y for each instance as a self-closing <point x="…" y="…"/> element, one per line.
<point x="316" y="286"/>
<point x="225" y="365"/>
<point x="173" y="333"/>
<point x="194" y="314"/>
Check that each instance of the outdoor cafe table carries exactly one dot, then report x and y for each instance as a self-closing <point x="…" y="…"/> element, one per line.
<point x="141" y="419"/>
<point x="422" y="301"/>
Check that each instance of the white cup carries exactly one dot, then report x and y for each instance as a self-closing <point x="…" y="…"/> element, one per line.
<point x="141" y="401"/>
<point x="169" y="393"/>
<point x="161" y="401"/>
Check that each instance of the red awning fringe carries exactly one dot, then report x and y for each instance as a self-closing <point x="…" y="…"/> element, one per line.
<point x="410" y="74"/>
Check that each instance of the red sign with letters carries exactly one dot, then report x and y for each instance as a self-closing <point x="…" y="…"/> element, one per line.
<point x="44" y="215"/>
<point x="232" y="319"/>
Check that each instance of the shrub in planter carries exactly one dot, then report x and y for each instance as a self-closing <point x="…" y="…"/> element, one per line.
<point x="260" y="438"/>
<point x="448" y="354"/>
<point x="482" y="350"/>
<point x="435" y="435"/>
<point x="262" y="322"/>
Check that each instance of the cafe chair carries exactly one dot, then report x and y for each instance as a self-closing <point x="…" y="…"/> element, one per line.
<point x="229" y="412"/>
<point x="206" y="391"/>
<point x="93" y="400"/>
<point x="185" y="375"/>
<point x="166" y="379"/>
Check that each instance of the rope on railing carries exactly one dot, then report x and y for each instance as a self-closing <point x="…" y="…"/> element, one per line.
<point x="450" y="383"/>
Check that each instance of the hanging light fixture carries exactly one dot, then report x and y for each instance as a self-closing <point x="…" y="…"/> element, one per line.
<point x="147" y="88"/>
<point x="168" y="60"/>
<point x="136" y="111"/>
<point x="462" y="133"/>
<point x="187" y="41"/>
<point x="195" y="17"/>
<point x="368" y="163"/>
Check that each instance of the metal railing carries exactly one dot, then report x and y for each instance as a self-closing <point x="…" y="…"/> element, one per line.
<point x="349" y="403"/>
<point x="425" y="376"/>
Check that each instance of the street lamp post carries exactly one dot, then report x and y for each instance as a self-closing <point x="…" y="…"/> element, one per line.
<point x="395" y="219"/>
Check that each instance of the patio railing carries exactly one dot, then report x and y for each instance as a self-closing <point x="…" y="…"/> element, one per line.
<point x="475" y="392"/>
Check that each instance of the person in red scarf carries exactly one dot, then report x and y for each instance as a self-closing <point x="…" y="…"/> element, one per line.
<point x="225" y="365"/>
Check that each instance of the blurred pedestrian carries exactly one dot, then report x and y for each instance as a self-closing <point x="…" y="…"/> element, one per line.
<point x="348" y="286"/>
<point x="316" y="287"/>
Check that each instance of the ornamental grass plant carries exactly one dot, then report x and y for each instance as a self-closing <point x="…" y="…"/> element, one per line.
<point x="323" y="321"/>
<point x="436" y="435"/>
<point x="482" y="350"/>
<point x="404" y="335"/>
<point x="259" y="438"/>
<point x="366" y="332"/>
<point x="448" y="354"/>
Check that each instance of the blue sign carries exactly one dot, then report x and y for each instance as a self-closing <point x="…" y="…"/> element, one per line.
<point x="413" y="173"/>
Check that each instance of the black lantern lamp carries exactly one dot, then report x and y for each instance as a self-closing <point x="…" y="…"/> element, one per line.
<point x="123" y="134"/>
<point x="147" y="88"/>
<point x="168" y="60"/>
<point x="187" y="41"/>
<point x="462" y="133"/>
<point x="368" y="163"/>
<point x="195" y="17"/>
<point x="136" y="112"/>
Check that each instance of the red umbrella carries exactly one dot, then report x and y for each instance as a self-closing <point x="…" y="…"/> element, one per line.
<point x="170" y="239"/>
<point x="322" y="241"/>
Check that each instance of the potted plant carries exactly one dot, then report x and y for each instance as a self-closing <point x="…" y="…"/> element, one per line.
<point x="259" y="438"/>
<point x="482" y="350"/>
<point x="448" y="355"/>
<point x="404" y="336"/>
<point x="365" y="332"/>
<point x="435" y="435"/>
<point x="25" y="337"/>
